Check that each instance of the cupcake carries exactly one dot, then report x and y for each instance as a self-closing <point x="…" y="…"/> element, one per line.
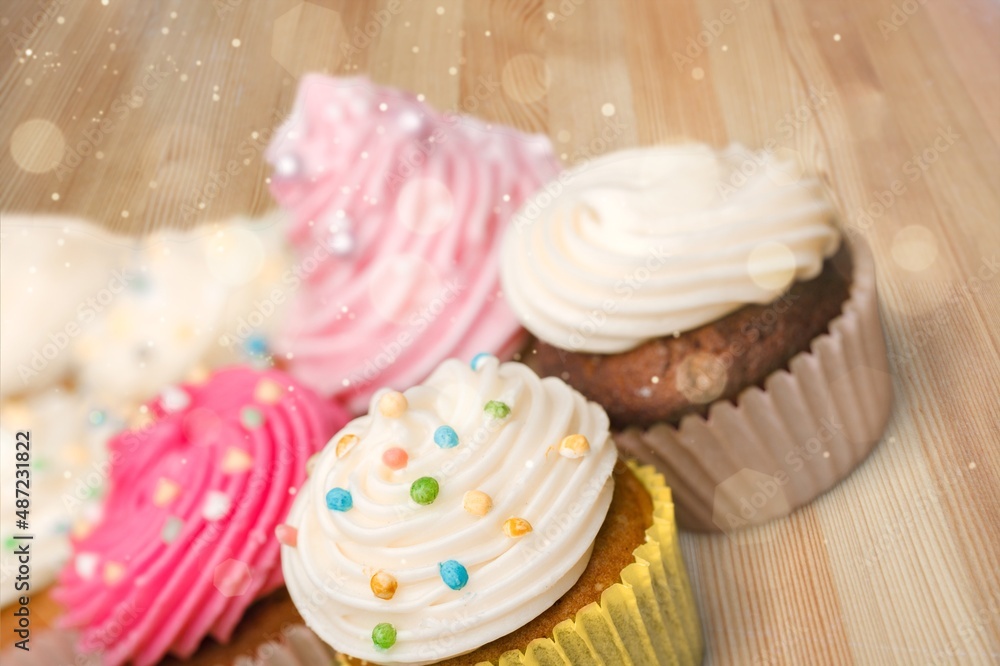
<point x="396" y="211"/>
<point x="202" y="298"/>
<point x="185" y="543"/>
<point x="707" y="301"/>
<point x="484" y="517"/>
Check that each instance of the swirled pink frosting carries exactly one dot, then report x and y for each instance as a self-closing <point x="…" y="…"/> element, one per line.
<point x="397" y="213"/>
<point x="186" y="541"/>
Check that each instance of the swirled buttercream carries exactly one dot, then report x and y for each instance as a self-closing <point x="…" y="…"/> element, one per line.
<point x="397" y="212"/>
<point x="185" y="542"/>
<point x="489" y="520"/>
<point x="649" y="242"/>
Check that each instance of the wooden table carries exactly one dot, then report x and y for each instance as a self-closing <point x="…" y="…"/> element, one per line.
<point x="895" y="104"/>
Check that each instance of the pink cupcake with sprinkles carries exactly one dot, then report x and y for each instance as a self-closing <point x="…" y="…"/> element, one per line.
<point x="396" y="215"/>
<point x="185" y="545"/>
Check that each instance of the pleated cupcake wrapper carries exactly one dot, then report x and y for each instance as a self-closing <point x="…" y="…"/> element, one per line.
<point x="298" y="647"/>
<point x="779" y="448"/>
<point x="647" y="618"/>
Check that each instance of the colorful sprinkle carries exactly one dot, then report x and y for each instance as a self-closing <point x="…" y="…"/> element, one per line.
<point x="217" y="505"/>
<point x="311" y="463"/>
<point x="478" y="359"/>
<point x="395" y="458"/>
<point x="113" y="572"/>
<point x="251" y="418"/>
<point x="86" y="565"/>
<point x="574" y="446"/>
<point x="96" y="417"/>
<point x="424" y="490"/>
<point x="166" y="492"/>
<point x="256" y="345"/>
<point x="345" y="444"/>
<point x="384" y="635"/>
<point x="236" y="461"/>
<point x="516" y="527"/>
<point x="453" y="574"/>
<point x="446" y="437"/>
<point x="174" y="398"/>
<point x="477" y="502"/>
<point x="497" y="410"/>
<point x="171" y="529"/>
<point x="384" y="585"/>
<point x="287" y="535"/>
<point x="267" y="392"/>
<point x="339" y="499"/>
<point x="392" y="404"/>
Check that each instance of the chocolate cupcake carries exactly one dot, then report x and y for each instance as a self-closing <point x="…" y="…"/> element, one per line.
<point x="681" y="293"/>
<point x="484" y="517"/>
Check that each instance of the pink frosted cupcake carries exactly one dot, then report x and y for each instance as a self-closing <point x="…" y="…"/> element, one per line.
<point x="185" y="544"/>
<point x="396" y="211"/>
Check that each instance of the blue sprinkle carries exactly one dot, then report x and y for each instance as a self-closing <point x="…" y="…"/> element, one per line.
<point x="477" y="360"/>
<point x="446" y="437"/>
<point x="97" y="417"/>
<point x="339" y="499"/>
<point x="256" y="345"/>
<point x="453" y="574"/>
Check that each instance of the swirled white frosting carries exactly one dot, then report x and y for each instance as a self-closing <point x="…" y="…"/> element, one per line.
<point x="514" y="460"/>
<point x="649" y="242"/>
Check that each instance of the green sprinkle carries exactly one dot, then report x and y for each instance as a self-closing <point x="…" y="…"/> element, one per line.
<point x="251" y="418"/>
<point x="384" y="635"/>
<point x="424" y="490"/>
<point x="497" y="410"/>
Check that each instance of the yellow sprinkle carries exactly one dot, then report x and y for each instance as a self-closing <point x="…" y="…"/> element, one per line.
<point x="113" y="572"/>
<point x="345" y="444"/>
<point x="384" y="585"/>
<point x="267" y="392"/>
<point x="516" y="527"/>
<point x="392" y="404"/>
<point x="166" y="491"/>
<point x="236" y="460"/>
<point x="197" y="375"/>
<point x="82" y="528"/>
<point x="477" y="502"/>
<point x="574" y="446"/>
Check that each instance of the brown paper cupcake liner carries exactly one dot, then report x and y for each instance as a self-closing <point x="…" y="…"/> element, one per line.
<point x="647" y="618"/>
<point x="780" y="447"/>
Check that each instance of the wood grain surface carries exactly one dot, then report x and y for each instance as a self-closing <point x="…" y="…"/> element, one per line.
<point x="125" y="112"/>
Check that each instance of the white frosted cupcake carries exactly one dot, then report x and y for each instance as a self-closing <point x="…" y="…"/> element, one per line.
<point x="483" y="517"/>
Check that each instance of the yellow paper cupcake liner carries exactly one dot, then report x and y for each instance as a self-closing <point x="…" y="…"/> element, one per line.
<point x="647" y="619"/>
